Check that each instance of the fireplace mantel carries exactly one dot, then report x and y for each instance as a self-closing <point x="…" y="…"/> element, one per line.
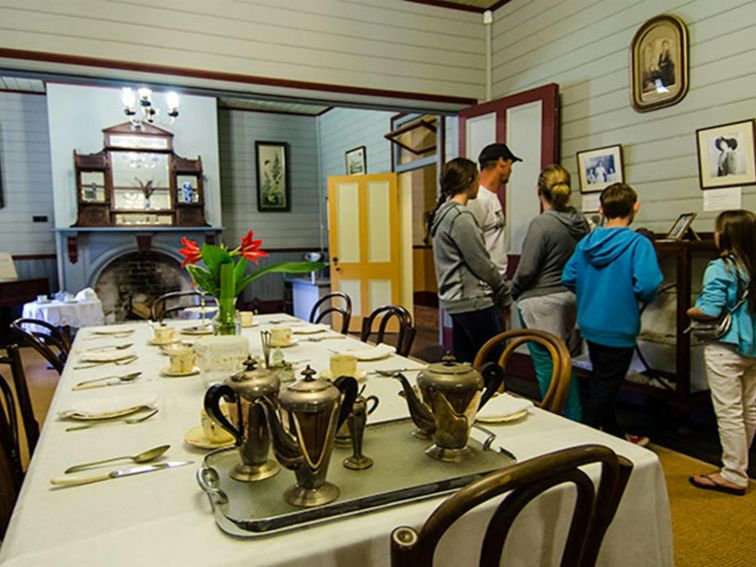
<point x="83" y="252"/>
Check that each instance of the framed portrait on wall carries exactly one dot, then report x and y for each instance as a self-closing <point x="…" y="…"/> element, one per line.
<point x="600" y="168"/>
<point x="356" y="161"/>
<point x="659" y="63"/>
<point x="726" y="155"/>
<point x="272" y="161"/>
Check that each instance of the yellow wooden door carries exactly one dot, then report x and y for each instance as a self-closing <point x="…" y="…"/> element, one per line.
<point x="363" y="241"/>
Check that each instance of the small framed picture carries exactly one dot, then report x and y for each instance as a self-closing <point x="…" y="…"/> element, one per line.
<point x="600" y="168"/>
<point x="659" y="63"/>
<point x="726" y="156"/>
<point x="356" y="161"/>
<point x="594" y="219"/>
<point x="681" y="226"/>
<point x="272" y="162"/>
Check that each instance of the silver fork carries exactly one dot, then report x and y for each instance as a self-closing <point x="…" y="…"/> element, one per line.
<point x="120" y="362"/>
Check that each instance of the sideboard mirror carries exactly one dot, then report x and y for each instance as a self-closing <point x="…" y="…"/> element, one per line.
<point x="137" y="180"/>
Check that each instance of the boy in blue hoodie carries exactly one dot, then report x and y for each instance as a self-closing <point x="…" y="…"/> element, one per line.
<point x="611" y="270"/>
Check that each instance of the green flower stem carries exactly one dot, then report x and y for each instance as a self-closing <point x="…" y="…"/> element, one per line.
<point x="227" y="300"/>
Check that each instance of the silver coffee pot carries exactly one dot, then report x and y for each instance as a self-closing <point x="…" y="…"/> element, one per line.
<point x="250" y="429"/>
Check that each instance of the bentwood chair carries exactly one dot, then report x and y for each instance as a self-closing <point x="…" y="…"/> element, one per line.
<point x="11" y="471"/>
<point x="556" y="396"/>
<point x="171" y="303"/>
<point x="46" y="339"/>
<point x="31" y="426"/>
<point x="592" y="514"/>
<point x="384" y="315"/>
<point x="326" y="306"/>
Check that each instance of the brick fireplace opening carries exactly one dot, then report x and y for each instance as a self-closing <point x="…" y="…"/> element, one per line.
<point x="129" y="284"/>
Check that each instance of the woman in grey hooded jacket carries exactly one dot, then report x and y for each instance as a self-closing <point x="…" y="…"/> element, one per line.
<point x="470" y="287"/>
<point x="543" y="302"/>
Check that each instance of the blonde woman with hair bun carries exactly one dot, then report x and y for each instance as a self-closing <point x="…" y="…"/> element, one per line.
<point x="543" y="302"/>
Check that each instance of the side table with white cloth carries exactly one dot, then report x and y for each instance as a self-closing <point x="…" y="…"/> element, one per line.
<point x="163" y="518"/>
<point x="74" y="313"/>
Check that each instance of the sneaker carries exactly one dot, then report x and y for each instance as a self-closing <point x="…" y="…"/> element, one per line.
<point x="640" y="440"/>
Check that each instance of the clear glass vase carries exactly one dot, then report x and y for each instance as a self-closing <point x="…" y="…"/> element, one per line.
<point x="226" y="320"/>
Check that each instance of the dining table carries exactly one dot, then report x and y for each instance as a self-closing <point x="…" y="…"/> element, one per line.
<point x="164" y="518"/>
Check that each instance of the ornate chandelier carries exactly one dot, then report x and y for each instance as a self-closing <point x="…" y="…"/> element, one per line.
<point x="138" y="106"/>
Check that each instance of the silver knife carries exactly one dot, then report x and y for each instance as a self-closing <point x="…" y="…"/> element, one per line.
<point x="77" y="481"/>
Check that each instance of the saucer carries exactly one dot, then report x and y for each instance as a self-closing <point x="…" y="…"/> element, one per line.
<point x="361" y="374"/>
<point x="504" y="418"/>
<point x="42" y="301"/>
<point x="196" y="438"/>
<point x="253" y="324"/>
<point x="168" y="373"/>
<point x="291" y="343"/>
<point x="198" y="330"/>
<point x="155" y="342"/>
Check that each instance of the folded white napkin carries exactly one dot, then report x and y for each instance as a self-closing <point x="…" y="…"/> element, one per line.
<point x="105" y="406"/>
<point x="368" y="352"/>
<point x="86" y="294"/>
<point x="503" y="406"/>
<point x="106" y="356"/>
<point x="112" y="330"/>
<point x="309" y="329"/>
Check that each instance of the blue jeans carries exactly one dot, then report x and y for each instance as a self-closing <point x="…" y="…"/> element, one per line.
<point x="543" y="368"/>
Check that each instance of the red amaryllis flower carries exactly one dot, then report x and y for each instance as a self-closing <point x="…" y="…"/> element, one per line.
<point x="191" y="252"/>
<point x="250" y="248"/>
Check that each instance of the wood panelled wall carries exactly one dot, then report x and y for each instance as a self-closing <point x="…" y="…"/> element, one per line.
<point x="584" y="46"/>
<point x="389" y="44"/>
<point x="26" y="175"/>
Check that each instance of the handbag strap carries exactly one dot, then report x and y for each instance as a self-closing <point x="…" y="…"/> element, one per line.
<point x="742" y="288"/>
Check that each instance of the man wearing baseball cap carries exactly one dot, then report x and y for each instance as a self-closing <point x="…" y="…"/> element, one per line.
<point x="495" y="167"/>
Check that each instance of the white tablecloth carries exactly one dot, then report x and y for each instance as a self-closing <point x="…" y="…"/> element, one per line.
<point x="164" y="519"/>
<point x="84" y="313"/>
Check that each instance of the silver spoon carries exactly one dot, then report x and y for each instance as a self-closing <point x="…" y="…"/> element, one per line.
<point x="129" y="420"/>
<point x="143" y="457"/>
<point x="122" y="378"/>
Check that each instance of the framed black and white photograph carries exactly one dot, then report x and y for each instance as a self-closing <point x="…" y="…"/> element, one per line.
<point x="726" y="156"/>
<point x="272" y="161"/>
<point x="659" y="63"/>
<point x="599" y="168"/>
<point x="681" y="226"/>
<point x="356" y="161"/>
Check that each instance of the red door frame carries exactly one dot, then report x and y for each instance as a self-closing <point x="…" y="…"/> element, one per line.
<point x="549" y="97"/>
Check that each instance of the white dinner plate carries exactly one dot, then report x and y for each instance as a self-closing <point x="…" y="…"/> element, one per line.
<point x="503" y="418"/>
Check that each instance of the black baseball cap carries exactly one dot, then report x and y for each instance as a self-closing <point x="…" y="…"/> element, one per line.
<point x="493" y="152"/>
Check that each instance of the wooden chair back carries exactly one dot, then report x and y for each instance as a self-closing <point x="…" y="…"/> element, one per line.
<point x="46" y="339"/>
<point x="31" y="426"/>
<point x="508" y="342"/>
<point x="161" y="309"/>
<point x="385" y="314"/>
<point x="593" y="512"/>
<point x="326" y="306"/>
<point x="11" y="471"/>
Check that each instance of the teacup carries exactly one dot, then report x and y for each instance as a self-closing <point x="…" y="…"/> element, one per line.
<point x="245" y="318"/>
<point x="182" y="359"/>
<point x="343" y="365"/>
<point x="163" y="334"/>
<point x="212" y="431"/>
<point x="42" y="299"/>
<point x="280" y="336"/>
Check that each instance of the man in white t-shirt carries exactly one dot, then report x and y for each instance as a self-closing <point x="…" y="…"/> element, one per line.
<point x="495" y="167"/>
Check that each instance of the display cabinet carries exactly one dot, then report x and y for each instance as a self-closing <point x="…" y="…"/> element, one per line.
<point x="138" y="180"/>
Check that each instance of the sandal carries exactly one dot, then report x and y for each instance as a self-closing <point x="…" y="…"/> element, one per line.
<point x="715" y="485"/>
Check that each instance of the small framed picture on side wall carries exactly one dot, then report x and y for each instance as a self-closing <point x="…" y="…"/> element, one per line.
<point x="726" y="155"/>
<point x="681" y="226"/>
<point x="356" y="161"/>
<point x="600" y="168"/>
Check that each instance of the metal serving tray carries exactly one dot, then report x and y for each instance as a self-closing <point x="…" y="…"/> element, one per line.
<point x="402" y="473"/>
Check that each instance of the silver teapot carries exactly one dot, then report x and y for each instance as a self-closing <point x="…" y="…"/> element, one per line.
<point x="311" y="410"/>
<point x="450" y="395"/>
<point x="251" y="430"/>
